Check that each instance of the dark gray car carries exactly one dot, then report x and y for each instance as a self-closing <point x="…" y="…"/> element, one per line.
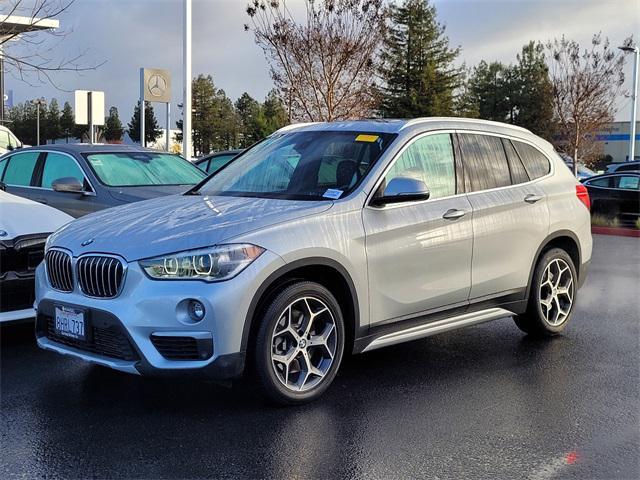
<point x="80" y="179"/>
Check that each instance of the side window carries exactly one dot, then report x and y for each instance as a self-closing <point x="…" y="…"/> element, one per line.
<point x="3" y="164"/>
<point x="431" y="160"/>
<point x="535" y="162"/>
<point x="628" y="182"/>
<point x="20" y="168"/>
<point x="485" y="162"/>
<point x="626" y="168"/>
<point x="217" y="163"/>
<point x="600" y="182"/>
<point x="56" y="166"/>
<point x="518" y="172"/>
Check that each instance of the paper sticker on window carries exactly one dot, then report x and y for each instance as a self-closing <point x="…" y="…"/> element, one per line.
<point x="366" y="138"/>
<point x="333" y="193"/>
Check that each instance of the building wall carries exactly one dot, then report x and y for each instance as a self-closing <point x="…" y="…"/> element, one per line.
<point x="615" y="140"/>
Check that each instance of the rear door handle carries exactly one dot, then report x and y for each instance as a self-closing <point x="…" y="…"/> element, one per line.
<point x="454" y="214"/>
<point x="532" y="198"/>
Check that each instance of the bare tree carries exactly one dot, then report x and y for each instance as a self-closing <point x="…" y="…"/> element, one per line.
<point x="324" y="67"/>
<point x="34" y="56"/>
<point x="586" y="84"/>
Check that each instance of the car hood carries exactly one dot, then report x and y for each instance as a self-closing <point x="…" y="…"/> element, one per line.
<point x="20" y="216"/>
<point x="135" y="194"/>
<point x="176" y="223"/>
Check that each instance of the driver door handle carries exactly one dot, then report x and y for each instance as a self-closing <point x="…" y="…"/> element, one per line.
<point x="454" y="214"/>
<point x="532" y="198"/>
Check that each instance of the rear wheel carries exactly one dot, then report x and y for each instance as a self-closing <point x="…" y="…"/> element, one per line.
<point x="552" y="295"/>
<point x="300" y="343"/>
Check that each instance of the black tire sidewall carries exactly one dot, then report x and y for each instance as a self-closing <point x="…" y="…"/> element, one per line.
<point x="534" y="305"/>
<point x="271" y="384"/>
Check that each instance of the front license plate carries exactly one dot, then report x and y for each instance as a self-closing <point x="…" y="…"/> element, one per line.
<point x="70" y="323"/>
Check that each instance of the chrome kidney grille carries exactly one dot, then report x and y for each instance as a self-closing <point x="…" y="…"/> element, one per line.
<point x="59" y="270"/>
<point x="100" y="276"/>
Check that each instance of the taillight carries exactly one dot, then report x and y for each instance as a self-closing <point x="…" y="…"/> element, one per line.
<point x="583" y="195"/>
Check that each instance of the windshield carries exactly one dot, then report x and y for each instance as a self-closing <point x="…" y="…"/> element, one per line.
<point x="301" y="166"/>
<point x="134" y="169"/>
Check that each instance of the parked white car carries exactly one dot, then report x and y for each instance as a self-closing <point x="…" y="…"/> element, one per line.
<point x="8" y="141"/>
<point x="24" y="228"/>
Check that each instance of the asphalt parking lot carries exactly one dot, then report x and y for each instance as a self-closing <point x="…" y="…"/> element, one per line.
<point x="481" y="402"/>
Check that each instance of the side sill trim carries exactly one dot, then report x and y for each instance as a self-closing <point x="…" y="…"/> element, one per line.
<point x="440" y="326"/>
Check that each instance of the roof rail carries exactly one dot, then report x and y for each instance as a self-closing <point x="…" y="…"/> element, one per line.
<point x="293" y="126"/>
<point x="417" y="121"/>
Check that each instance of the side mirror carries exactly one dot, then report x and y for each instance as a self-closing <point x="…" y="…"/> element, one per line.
<point x="10" y="147"/>
<point x="67" y="184"/>
<point x="3" y="186"/>
<point x="402" y="189"/>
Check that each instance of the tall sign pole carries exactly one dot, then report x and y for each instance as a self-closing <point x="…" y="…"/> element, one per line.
<point x="634" y="99"/>
<point x="634" y="105"/>
<point x="186" y="102"/>
<point x="168" y="124"/>
<point x="89" y="110"/>
<point x="142" y="109"/>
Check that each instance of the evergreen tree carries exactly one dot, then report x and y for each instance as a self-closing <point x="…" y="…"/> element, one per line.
<point x="52" y="130"/>
<point x="489" y="91"/>
<point x="151" y="128"/>
<point x="113" y="130"/>
<point x="253" y="124"/>
<point x="533" y="91"/>
<point x="417" y="63"/>
<point x="67" y="122"/>
<point x="275" y="113"/>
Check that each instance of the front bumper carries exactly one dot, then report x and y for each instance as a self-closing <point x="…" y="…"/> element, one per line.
<point x="147" y="309"/>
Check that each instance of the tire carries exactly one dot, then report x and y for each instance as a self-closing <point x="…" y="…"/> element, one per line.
<point x="296" y="362"/>
<point x="552" y="295"/>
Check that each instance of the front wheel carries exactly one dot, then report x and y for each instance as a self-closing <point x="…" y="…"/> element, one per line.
<point x="300" y="343"/>
<point x="552" y="295"/>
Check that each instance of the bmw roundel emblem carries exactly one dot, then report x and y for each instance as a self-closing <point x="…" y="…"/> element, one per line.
<point x="3" y="233"/>
<point x="87" y="242"/>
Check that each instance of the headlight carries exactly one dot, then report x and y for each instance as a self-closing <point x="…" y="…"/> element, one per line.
<point x="210" y="264"/>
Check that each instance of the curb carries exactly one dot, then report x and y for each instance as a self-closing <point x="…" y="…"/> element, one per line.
<point x="621" y="232"/>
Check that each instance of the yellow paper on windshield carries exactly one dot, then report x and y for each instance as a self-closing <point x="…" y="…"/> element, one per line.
<point x="366" y="138"/>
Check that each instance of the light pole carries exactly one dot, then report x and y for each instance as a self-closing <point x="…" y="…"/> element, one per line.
<point x="186" y="101"/>
<point x="38" y="102"/>
<point x="634" y="96"/>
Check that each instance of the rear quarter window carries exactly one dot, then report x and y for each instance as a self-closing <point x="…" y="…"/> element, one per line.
<point x="535" y="162"/>
<point x="600" y="182"/>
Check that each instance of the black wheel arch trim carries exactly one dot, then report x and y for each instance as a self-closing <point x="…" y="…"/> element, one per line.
<point x="273" y="278"/>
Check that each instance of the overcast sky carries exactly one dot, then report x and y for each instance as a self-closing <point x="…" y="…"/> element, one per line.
<point x="128" y="34"/>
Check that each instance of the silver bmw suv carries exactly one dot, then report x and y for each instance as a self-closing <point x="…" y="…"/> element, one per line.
<point x="323" y="239"/>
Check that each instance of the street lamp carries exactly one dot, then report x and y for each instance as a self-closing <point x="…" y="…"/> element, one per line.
<point x="38" y="102"/>
<point x="11" y="26"/>
<point x="634" y="95"/>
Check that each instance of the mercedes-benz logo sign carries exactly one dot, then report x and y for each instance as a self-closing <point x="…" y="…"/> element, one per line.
<point x="157" y="85"/>
<point x="87" y="242"/>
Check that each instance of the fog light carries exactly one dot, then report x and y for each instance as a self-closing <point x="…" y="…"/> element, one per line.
<point x="196" y="310"/>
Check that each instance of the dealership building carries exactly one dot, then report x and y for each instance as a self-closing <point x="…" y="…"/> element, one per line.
<point x="615" y="140"/>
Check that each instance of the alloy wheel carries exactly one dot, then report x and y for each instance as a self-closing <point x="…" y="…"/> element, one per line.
<point x="303" y="344"/>
<point x="556" y="292"/>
